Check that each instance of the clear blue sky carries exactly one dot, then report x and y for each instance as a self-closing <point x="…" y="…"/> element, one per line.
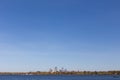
<point x="75" y="34"/>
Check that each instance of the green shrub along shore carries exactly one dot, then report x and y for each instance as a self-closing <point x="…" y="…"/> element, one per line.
<point x="63" y="73"/>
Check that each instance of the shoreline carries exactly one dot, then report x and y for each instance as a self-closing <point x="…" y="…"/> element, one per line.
<point x="63" y="73"/>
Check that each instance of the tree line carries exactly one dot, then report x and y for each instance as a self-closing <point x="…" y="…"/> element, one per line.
<point x="63" y="71"/>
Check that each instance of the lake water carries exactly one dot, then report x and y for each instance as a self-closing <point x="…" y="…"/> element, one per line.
<point x="58" y="77"/>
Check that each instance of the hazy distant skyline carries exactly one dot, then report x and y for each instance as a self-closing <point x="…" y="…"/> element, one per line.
<point x="74" y="34"/>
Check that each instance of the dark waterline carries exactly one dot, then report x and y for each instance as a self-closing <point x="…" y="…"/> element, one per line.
<point x="57" y="77"/>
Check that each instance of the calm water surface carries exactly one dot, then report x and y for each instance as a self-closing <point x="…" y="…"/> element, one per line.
<point x="60" y="77"/>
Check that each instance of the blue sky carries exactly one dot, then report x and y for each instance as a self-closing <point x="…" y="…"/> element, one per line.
<point x="74" y="34"/>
